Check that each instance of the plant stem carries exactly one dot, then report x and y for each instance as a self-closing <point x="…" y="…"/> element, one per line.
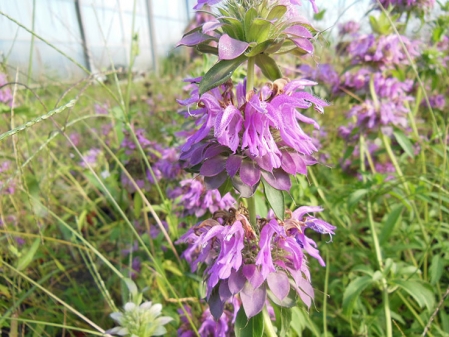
<point x="252" y="211"/>
<point x="268" y="325"/>
<point x="325" y="295"/>
<point x="250" y="75"/>
<point x="377" y="249"/>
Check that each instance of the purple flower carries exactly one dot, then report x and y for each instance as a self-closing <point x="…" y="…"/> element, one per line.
<point x="324" y="73"/>
<point x="385" y="51"/>
<point x="240" y="261"/>
<point x="196" y="200"/>
<point x="248" y="140"/>
<point x="101" y="109"/>
<point x="290" y="28"/>
<point x="408" y="4"/>
<point x="90" y="157"/>
<point x="5" y="92"/>
<point x="349" y="28"/>
<point x="436" y="102"/>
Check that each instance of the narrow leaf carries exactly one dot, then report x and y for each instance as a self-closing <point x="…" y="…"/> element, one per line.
<point x="420" y="293"/>
<point x="352" y="293"/>
<point x="436" y="269"/>
<point x="390" y="223"/>
<point x="268" y="66"/>
<point x="28" y="257"/>
<point x="219" y="73"/>
<point x="404" y="142"/>
<point x="275" y="199"/>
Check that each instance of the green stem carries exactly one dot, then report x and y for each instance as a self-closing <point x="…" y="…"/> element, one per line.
<point x="377" y="249"/>
<point x="387" y="146"/>
<point x="268" y="325"/>
<point x="325" y="295"/>
<point x="250" y="75"/>
<point x="252" y="211"/>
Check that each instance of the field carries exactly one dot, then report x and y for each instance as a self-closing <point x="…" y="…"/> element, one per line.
<point x="101" y="200"/>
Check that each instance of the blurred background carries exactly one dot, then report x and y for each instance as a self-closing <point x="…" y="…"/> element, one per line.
<point x="97" y="33"/>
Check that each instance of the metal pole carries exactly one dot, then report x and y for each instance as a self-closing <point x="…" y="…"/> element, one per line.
<point x="153" y="43"/>
<point x="79" y="16"/>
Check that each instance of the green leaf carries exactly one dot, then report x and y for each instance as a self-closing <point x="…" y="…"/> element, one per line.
<point x="225" y="187"/>
<point x="275" y="199"/>
<point x="436" y="269"/>
<point x="390" y="223"/>
<point x="268" y="66"/>
<point x="259" y="31"/>
<point x="260" y="48"/>
<point x="404" y="142"/>
<point x="132" y="288"/>
<point x="277" y="12"/>
<point x="420" y="293"/>
<point x="220" y="73"/>
<point x="352" y="293"/>
<point x="283" y="320"/>
<point x="320" y="15"/>
<point x="356" y="196"/>
<point x="245" y="327"/>
<point x="138" y="202"/>
<point x="249" y="18"/>
<point x="206" y="49"/>
<point x="28" y="257"/>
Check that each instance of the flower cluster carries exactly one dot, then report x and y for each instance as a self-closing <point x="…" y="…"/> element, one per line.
<point x="137" y="321"/>
<point x="210" y="327"/>
<point x="164" y="162"/>
<point x="247" y="136"/>
<point x="407" y="4"/>
<point x="384" y="51"/>
<point x="254" y="265"/>
<point x="197" y="200"/>
<point x="281" y="30"/>
<point x="323" y="74"/>
<point x="348" y="28"/>
<point x="387" y="108"/>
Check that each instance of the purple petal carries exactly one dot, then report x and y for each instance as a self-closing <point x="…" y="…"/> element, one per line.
<point x="244" y="190"/>
<point x="299" y="31"/>
<point x="194" y="39"/>
<point x="229" y="48"/>
<point x="233" y="165"/>
<point x="223" y="291"/>
<point x="215" y="304"/>
<point x="288" y="164"/>
<point x="236" y="281"/>
<point x="215" y="150"/>
<point x="299" y="213"/>
<point x="301" y="166"/>
<point x="304" y="44"/>
<point x="249" y="173"/>
<point x="211" y="25"/>
<point x="279" y="284"/>
<point x="253" y="300"/>
<point x="213" y="166"/>
<point x="279" y="179"/>
<point x="212" y="183"/>
<point x="253" y="275"/>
